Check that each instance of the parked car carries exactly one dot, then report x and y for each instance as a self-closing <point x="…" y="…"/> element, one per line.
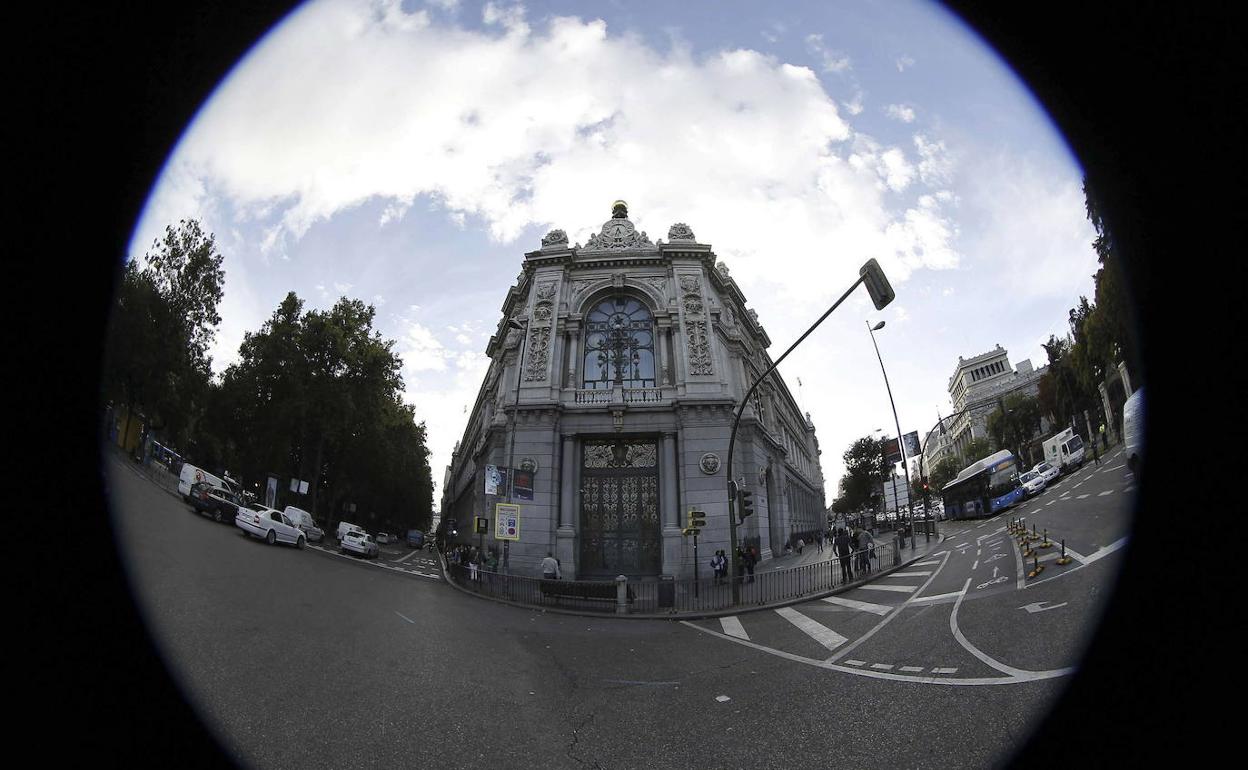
<point x="415" y="538"/>
<point x="220" y="504"/>
<point x="269" y="525"/>
<point x="345" y="526"/>
<point x="304" y="521"/>
<point x="359" y="543"/>
<point x="1033" y="483"/>
<point x="1048" y="472"/>
<point x="190" y="475"/>
<point x="383" y="538"/>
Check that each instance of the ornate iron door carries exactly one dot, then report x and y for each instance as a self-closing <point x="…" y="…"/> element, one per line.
<point x="620" y="524"/>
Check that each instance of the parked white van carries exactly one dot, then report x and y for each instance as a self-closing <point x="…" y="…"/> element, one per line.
<point x="1133" y="429"/>
<point x="304" y="521"/>
<point x="192" y="475"/>
<point x="345" y="526"/>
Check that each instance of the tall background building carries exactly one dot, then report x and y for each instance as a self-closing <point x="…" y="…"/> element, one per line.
<point x="618" y="365"/>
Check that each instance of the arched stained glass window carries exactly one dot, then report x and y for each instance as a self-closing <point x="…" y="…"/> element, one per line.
<point x="619" y="345"/>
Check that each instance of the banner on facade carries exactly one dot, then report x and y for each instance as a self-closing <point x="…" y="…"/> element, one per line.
<point x="506" y="521"/>
<point x="270" y="492"/>
<point x="892" y="450"/>
<point x="524" y="485"/>
<point x="911" y="441"/>
<point x="493" y="480"/>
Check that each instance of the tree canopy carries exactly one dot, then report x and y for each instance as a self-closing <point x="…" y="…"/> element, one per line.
<point x="866" y="470"/>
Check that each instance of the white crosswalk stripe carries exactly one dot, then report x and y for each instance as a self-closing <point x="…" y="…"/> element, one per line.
<point x="878" y="609"/>
<point x="898" y="589"/>
<point x="815" y="630"/>
<point x="732" y="626"/>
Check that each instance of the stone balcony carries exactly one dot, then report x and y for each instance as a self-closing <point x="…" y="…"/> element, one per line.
<point x="621" y="396"/>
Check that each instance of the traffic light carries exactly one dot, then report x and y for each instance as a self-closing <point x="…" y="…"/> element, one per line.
<point x="482" y="525"/>
<point x="745" y="506"/>
<point x="697" y="519"/>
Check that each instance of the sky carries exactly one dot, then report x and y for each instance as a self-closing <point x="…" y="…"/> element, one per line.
<point x="408" y="154"/>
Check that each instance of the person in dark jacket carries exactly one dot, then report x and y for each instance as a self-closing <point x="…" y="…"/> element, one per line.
<point x="843" y="546"/>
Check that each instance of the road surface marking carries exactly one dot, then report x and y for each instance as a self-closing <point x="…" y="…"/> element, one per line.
<point x="1050" y="502"/>
<point x="1129" y="489"/>
<point x="908" y="574"/>
<point x="1035" y="607"/>
<point x="406" y="557"/>
<point x="1106" y="492"/>
<point x="962" y="545"/>
<point x="1016" y="673"/>
<point x="899" y="589"/>
<point x="882" y="666"/>
<point x="944" y="671"/>
<point x="878" y="609"/>
<point x="911" y="669"/>
<point x="936" y="598"/>
<point x="926" y="563"/>
<point x="722" y="698"/>
<point x="1106" y="551"/>
<point x="855" y="663"/>
<point x="409" y="620"/>
<point x="815" y="630"/>
<point x="732" y="626"/>
<point x="1080" y="497"/>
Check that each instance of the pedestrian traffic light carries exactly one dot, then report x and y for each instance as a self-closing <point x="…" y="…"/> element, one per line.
<point x="745" y="506"/>
<point x="697" y="519"/>
<point x="482" y="525"/>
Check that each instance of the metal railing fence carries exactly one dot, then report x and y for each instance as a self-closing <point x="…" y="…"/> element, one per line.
<point x="669" y="596"/>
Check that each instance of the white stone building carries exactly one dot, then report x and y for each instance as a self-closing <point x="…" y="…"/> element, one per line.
<point x="635" y="355"/>
<point x="976" y="389"/>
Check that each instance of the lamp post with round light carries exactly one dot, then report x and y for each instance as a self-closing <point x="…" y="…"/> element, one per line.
<point x="904" y="465"/>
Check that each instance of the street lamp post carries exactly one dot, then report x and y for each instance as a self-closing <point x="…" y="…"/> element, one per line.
<point x="904" y="465"/>
<point x="511" y="440"/>
<point x="881" y="294"/>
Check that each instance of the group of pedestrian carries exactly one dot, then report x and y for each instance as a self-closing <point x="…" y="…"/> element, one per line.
<point x="854" y="549"/>
<point x="473" y="559"/>
<point x="747" y="559"/>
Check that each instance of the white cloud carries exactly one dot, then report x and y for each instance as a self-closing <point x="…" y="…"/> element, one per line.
<point x="830" y="60"/>
<point x="854" y="106"/>
<point x="900" y="112"/>
<point x="774" y="32"/>
<point x="903" y="63"/>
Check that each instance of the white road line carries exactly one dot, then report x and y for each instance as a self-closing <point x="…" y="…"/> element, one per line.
<point x="936" y="598"/>
<point x="878" y="609"/>
<point x="855" y="663"/>
<point x="962" y="545"/>
<point x="975" y="566"/>
<point x="1050" y="502"/>
<point x="815" y="630"/>
<point x="732" y="626"/>
<point x="409" y="620"/>
<point x="908" y="574"/>
<point x="944" y="671"/>
<point x="911" y="669"/>
<point x="899" y="589"/>
<point x="1008" y="670"/>
<point x="1106" y="551"/>
<point x="926" y="563"/>
<point x="1080" y="497"/>
<point x="1128" y="489"/>
<point x="1106" y="492"/>
<point x="405" y="557"/>
<point x="882" y="666"/>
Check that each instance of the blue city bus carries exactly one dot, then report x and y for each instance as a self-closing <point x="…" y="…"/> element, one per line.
<point x="983" y="488"/>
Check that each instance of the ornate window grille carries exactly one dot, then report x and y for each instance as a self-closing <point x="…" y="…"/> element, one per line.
<point x="619" y="345"/>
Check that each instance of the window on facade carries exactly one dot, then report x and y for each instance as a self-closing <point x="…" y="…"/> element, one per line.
<point x="619" y="345"/>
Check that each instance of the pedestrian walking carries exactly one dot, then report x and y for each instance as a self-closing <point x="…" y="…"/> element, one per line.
<point x="843" y="546"/>
<point x="550" y="567"/>
<point x="819" y="540"/>
<point x="719" y="565"/>
<point x="751" y="558"/>
<point x="800" y="545"/>
<point x="1096" y="456"/>
<point x="740" y="561"/>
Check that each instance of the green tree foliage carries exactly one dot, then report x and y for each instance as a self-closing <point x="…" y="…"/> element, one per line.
<point x="977" y="449"/>
<point x="163" y="323"/>
<point x="1015" y="424"/>
<point x="317" y="396"/>
<point x="865" y="472"/>
<point x="942" y="473"/>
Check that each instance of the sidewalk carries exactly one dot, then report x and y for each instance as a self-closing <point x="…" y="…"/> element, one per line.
<point x="811" y="555"/>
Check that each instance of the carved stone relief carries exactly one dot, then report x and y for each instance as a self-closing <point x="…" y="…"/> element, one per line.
<point x="555" y="238"/>
<point x="539" y="350"/>
<point x="695" y="326"/>
<point x="680" y="232"/>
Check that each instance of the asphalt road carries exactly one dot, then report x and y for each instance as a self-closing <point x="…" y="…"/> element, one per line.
<point x="311" y="659"/>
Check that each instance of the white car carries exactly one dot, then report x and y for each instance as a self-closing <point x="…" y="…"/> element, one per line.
<point x="1048" y="472"/>
<point x="359" y="543"/>
<point x="269" y="525"/>
<point x="1033" y="483"/>
<point x="382" y="537"/>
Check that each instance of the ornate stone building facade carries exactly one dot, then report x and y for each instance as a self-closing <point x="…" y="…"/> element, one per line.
<point x="620" y="385"/>
<point x="978" y="385"/>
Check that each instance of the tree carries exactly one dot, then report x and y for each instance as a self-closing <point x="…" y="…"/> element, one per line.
<point x="945" y="470"/>
<point x="162" y="326"/>
<point x="1015" y="423"/>
<point x="865" y="472"/>
<point x="977" y="449"/>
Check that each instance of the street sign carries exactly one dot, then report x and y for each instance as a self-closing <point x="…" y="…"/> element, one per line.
<point x="506" y="521"/>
